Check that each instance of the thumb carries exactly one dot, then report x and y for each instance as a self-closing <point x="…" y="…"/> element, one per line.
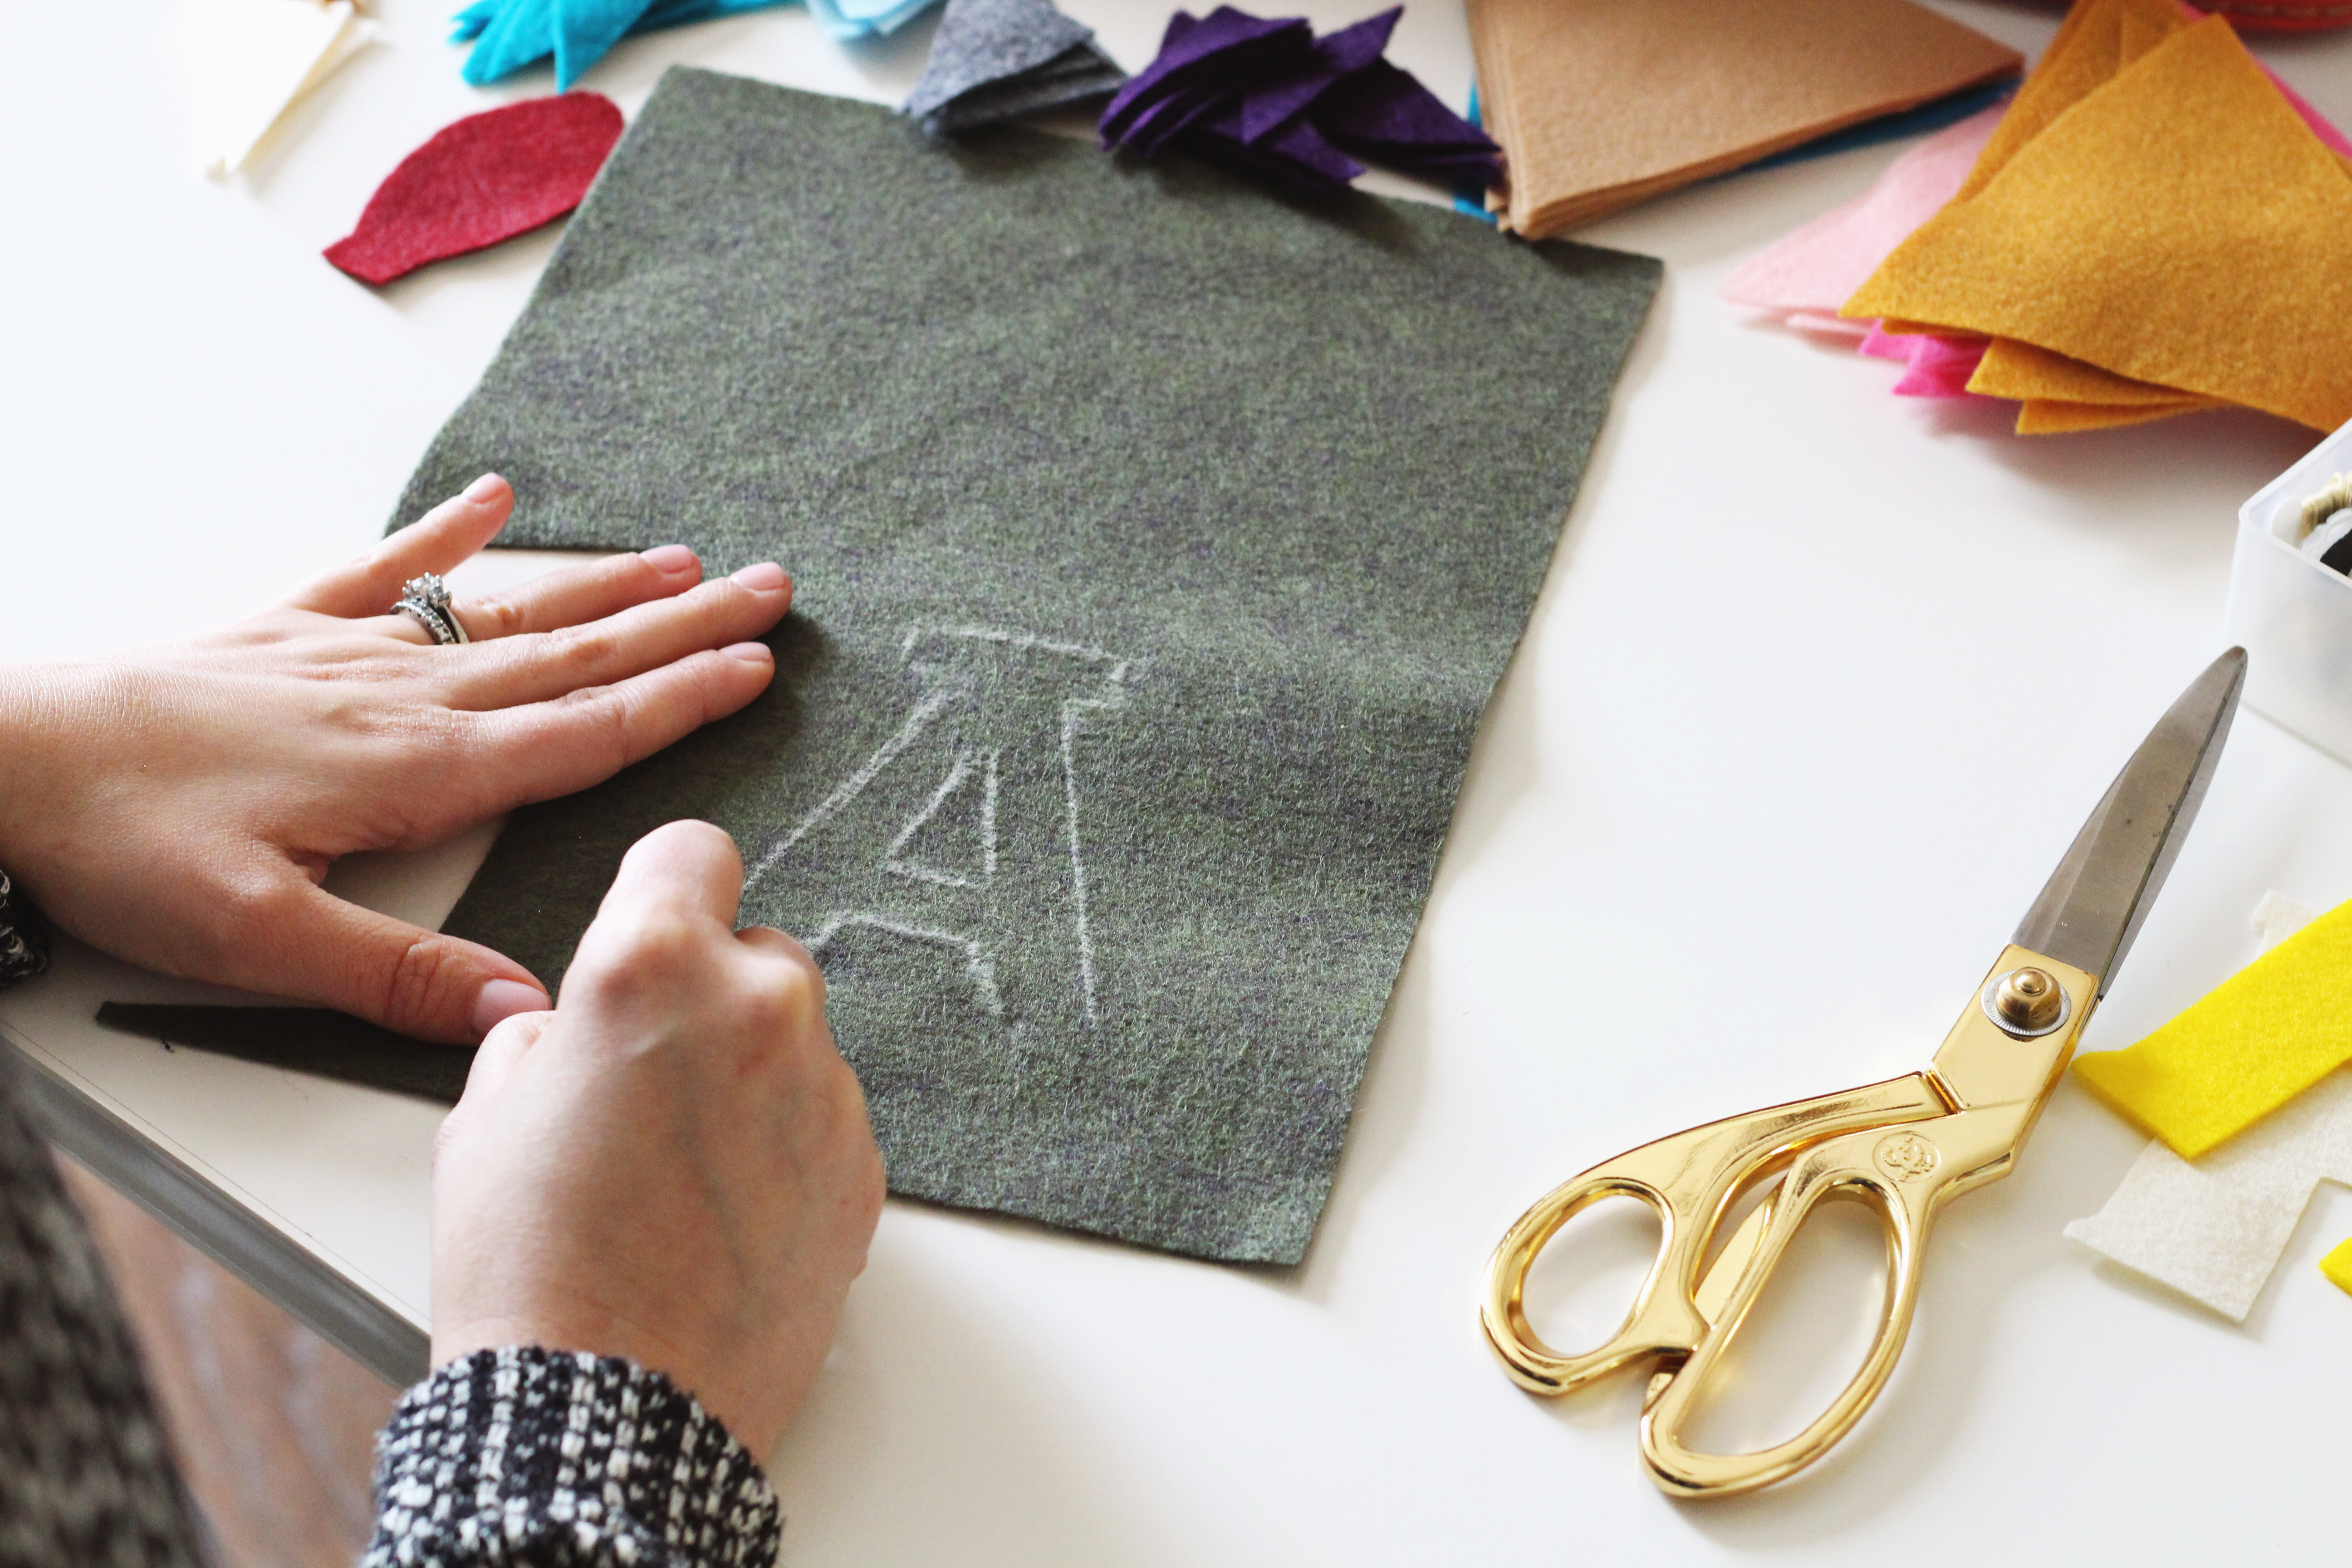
<point x="495" y="1060"/>
<point x="412" y="980"/>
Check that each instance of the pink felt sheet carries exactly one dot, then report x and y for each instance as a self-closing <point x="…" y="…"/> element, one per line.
<point x="1935" y="367"/>
<point x="1812" y="271"/>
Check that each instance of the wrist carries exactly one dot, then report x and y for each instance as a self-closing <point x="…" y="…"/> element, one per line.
<point x="24" y="933"/>
<point x="47" y="715"/>
<point x="22" y="736"/>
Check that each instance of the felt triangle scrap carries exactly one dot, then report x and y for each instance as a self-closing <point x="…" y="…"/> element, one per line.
<point x="2136" y="238"/>
<point x="1268" y="94"/>
<point x="480" y="180"/>
<point x="993" y="60"/>
<point x="1600" y="104"/>
<point x="249" y="61"/>
<point x="866" y="18"/>
<point x="510" y="35"/>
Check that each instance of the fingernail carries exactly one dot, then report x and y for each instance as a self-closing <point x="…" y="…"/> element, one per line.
<point x="749" y="652"/>
<point x="764" y="578"/>
<point x="499" y="1000"/>
<point x="668" y="558"/>
<point x="484" y="487"/>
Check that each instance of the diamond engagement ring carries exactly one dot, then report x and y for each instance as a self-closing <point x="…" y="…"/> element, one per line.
<point x="425" y="601"/>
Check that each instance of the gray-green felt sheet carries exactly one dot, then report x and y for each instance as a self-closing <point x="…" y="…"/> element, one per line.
<point x="1158" y="540"/>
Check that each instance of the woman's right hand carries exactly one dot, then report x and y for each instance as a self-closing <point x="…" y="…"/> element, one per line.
<point x="673" y="1165"/>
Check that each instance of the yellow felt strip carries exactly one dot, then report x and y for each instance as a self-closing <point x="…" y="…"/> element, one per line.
<point x="2160" y="229"/>
<point x="2337" y="1267"/>
<point x="2252" y="1043"/>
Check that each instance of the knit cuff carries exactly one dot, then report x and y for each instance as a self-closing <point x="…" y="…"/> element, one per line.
<point x="529" y="1456"/>
<point x="24" y="935"/>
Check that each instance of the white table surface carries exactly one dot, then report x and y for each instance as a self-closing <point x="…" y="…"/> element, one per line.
<point x="1820" y="685"/>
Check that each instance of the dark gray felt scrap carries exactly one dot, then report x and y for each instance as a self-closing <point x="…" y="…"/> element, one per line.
<point x="1158" y="542"/>
<point x="307" y="1040"/>
<point x="992" y="59"/>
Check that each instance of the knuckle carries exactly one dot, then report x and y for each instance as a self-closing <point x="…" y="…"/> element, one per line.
<point x="429" y="735"/>
<point x="604" y="712"/>
<point x="632" y="573"/>
<point x="448" y="1135"/>
<point x="581" y="650"/>
<point x="250" y="914"/>
<point x="646" y="959"/>
<point x="414" y="981"/>
<point x="711" y="835"/>
<point x="496" y="616"/>
<point x="783" y="1003"/>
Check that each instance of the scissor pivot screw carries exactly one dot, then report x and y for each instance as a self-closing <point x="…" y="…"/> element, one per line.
<point x="2026" y="1001"/>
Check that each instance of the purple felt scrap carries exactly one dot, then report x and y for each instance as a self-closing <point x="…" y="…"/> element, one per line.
<point x="1296" y="149"/>
<point x="1268" y="95"/>
<point x="1208" y="51"/>
<point x="1163" y="121"/>
<point x="1385" y="113"/>
<point x="1337" y="55"/>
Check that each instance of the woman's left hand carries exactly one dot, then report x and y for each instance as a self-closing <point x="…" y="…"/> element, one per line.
<point x="178" y="805"/>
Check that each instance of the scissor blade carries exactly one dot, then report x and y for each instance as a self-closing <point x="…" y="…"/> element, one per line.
<point x="2095" y="901"/>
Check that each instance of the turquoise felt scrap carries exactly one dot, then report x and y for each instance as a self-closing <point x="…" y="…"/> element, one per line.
<point x="866" y="18"/>
<point x="470" y="21"/>
<point x="515" y="33"/>
<point x="681" y="13"/>
<point x="584" y="29"/>
<point x="509" y="36"/>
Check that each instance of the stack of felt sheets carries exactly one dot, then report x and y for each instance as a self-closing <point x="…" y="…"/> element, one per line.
<point x="1599" y="104"/>
<point x="2140" y="237"/>
<point x="2133" y="238"/>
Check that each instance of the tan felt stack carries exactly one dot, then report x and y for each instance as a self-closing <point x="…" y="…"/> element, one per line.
<point x="1599" y="104"/>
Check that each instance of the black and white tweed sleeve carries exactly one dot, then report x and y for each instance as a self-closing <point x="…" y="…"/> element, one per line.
<point x="524" y="1456"/>
<point x="86" y="1474"/>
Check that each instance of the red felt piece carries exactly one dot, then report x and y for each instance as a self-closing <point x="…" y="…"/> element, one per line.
<point x="485" y="178"/>
<point x="2274" y="16"/>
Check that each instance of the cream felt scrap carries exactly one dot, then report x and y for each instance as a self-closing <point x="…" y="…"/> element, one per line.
<point x="248" y="61"/>
<point x="2214" y="1229"/>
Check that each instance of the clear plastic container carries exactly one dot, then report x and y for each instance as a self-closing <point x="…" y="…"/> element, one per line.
<point x="2293" y="615"/>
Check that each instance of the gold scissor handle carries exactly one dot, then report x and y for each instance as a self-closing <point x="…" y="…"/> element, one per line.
<point x="1904" y="1173"/>
<point x="1839" y="1168"/>
<point x="1689" y="1180"/>
<point x="1904" y="1146"/>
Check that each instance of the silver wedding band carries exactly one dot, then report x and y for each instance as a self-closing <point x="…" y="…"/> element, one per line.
<point x="425" y="601"/>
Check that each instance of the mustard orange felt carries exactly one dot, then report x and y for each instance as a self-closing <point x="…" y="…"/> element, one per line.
<point x="2098" y="39"/>
<point x="2056" y="416"/>
<point x="2059" y="395"/>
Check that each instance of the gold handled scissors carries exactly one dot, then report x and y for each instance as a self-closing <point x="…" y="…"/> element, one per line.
<point x="1903" y="1146"/>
